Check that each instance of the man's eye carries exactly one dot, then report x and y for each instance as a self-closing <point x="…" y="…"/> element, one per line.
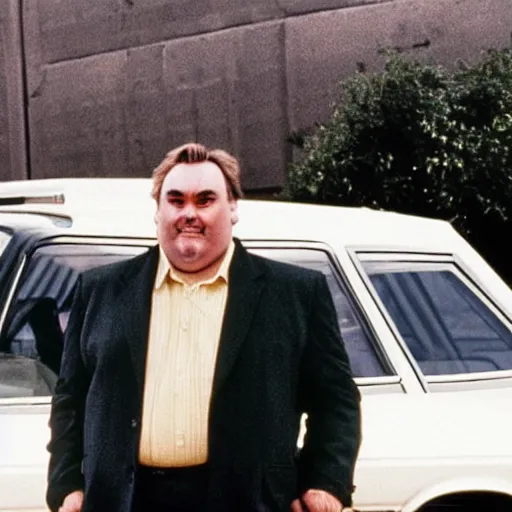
<point x="176" y="202"/>
<point x="204" y="201"/>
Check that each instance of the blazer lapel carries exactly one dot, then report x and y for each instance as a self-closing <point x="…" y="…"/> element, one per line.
<point x="244" y="290"/>
<point x="136" y="286"/>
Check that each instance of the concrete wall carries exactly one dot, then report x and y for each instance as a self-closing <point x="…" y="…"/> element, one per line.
<point x="113" y="84"/>
<point x="323" y="47"/>
<point x="13" y="163"/>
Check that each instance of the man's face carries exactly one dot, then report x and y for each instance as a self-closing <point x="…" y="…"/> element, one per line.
<point x="195" y="216"/>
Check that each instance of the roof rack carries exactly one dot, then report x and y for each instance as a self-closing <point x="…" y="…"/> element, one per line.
<point x="17" y="200"/>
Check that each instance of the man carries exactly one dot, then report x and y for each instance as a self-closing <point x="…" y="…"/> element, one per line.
<point x="186" y="370"/>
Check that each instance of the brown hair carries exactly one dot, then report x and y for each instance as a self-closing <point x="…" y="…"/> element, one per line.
<point x="196" y="153"/>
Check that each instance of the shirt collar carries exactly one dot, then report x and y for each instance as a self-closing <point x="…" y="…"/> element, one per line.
<point x="166" y="270"/>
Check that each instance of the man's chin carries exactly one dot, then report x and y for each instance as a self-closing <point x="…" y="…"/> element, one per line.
<point x="189" y="247"/>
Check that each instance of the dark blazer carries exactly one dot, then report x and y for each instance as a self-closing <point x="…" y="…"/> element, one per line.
<point x="280" y="354"/>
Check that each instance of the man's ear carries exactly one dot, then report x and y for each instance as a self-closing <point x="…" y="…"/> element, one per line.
<point x="234" y="212"/>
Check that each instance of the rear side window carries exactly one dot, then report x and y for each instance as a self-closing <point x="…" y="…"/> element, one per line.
<point x="31" y="343"/>
<point x="364" y="357"/>
<point x="448" y="327"/>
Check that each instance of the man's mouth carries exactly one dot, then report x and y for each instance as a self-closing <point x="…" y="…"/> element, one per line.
<point x="188" y="230"/>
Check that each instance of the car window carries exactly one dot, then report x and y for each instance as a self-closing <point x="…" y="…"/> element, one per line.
<point x="31" y="343"/>
<point x="448" y="328"/>
<point x="359" y="342"/>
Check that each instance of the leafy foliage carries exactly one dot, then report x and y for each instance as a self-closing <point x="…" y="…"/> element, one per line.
<point x="417" y="139"/>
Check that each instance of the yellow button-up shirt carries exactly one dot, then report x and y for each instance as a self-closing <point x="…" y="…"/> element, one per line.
<point x="185" y="325"/>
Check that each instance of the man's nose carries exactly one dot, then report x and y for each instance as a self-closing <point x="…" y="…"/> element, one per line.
<point x="189" y="212"/>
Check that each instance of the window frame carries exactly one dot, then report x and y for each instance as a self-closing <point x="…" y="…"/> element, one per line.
<point x="22" y="266"/>
<point x="388" y="384"/>
<point x="391" y="383"/>
<point x="450" y="261"/>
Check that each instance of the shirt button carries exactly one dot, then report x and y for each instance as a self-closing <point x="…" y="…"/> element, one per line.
<point x="134" y="423"/>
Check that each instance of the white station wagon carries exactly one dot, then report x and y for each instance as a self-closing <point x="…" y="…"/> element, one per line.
<point x="426" y="322"/>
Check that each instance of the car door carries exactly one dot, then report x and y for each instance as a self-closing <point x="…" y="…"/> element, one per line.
<point x="457" y="335"/>
<point x="371" y="366"/>
<point x="30" y="348"/>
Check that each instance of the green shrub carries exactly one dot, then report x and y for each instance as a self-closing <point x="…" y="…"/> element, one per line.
<point x="418" y="139"/>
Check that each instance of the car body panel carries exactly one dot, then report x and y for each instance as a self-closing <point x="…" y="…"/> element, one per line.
<point x="422" y="436"/>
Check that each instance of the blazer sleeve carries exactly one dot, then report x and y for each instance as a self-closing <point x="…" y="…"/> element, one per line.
<point x="329" y="396"/>
<point x="67" y="413"/>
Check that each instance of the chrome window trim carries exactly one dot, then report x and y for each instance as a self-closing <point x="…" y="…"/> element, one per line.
<point x="353" y="255"/>
<point x="470" y="385"/>
<point x="26" y="400"/>
<point x="470" y="377"/>
<point x="96" y="240"/>
<point x="378" y="381"/>
<point x="12" y="291"/>
<point x="396" y="256"/>
<point x="480" y="287"/>
<point x="463" y="273"/>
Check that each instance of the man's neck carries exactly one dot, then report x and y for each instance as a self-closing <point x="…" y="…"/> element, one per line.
<point x="204" y="274"/>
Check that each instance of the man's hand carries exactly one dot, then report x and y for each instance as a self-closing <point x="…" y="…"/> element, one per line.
<point x="72" y="502"/>
<point x="315" y="500"/>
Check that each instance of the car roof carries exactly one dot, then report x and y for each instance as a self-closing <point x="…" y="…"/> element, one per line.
<point x="124" y="207"/>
